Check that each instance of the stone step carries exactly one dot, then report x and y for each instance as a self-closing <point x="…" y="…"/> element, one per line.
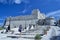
<point x="21" y="36"/>
<point x="27" y="33"/>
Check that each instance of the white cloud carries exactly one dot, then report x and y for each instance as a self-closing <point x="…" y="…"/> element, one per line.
<point x="57" y="15"/>
<point x="17" y="1"/>
<point x="53" y="13"/>
<point x="13" y="1"/>
<point x="24" y="11"/>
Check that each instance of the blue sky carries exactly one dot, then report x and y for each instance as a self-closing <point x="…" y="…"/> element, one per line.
<point x="24" y="7"/>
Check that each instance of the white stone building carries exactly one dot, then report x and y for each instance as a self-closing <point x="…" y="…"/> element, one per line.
<point x="25" y="20"/>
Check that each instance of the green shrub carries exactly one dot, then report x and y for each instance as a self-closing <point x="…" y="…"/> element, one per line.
<point x="38" y="37"/>
<point x="1" y="28"/>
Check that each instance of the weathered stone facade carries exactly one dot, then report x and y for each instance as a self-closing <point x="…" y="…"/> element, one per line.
<point x="25" y="20"/>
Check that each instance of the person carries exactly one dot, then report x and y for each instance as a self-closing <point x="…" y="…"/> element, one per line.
<point x="29" y="26"/>
<point x="7" y="29"/>
<point x="25" y="28"/>
<point x="20" y="29"/>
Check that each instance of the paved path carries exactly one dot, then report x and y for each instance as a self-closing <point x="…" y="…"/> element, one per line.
<point x="54" y="31"/>
<point x="55" y="38"/>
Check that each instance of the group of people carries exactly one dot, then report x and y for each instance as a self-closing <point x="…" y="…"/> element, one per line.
<point x="8" y="29"/>
<point x="19" y="29"/>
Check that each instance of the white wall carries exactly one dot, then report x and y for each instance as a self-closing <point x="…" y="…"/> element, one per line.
<point x="21" y="22"/>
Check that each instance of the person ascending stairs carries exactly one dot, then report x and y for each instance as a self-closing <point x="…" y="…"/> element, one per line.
<point x="7" y="29"/>
<point x="20" y="29"/>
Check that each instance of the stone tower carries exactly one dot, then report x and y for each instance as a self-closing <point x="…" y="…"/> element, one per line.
<point x="38" y="14"/>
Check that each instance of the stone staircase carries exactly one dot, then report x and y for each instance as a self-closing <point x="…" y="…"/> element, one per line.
<point x="30" y="34"/>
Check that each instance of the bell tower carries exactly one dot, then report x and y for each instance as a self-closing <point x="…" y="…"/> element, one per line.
<point x="38" y="14"/>
<point x="35" y="12"/>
